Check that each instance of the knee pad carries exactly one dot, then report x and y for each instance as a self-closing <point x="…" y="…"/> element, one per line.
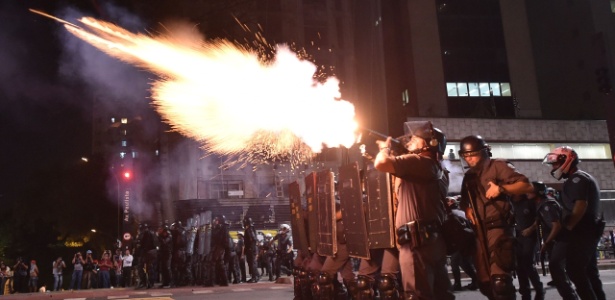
<point x="325" y="286"/>
<point x="365" y="289"/>
<point x="502" y="286"/>
<point x="388" y="287"/>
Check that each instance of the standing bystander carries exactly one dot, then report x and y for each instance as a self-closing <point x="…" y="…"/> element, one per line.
<point x="75" y="281"/>
<point x="33" y="284"/>
<point x="58" y="267"/>
<point x="127" y="268"/>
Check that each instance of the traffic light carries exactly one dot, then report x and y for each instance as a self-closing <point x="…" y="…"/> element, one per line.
<point x="127" y="175"/>
<point x="604" y="81"/>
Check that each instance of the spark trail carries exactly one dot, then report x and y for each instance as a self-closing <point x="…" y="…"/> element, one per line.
<point x="227" y="98"/>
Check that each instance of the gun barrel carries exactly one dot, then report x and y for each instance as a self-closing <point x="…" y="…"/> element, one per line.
<point x="377" y="134"/>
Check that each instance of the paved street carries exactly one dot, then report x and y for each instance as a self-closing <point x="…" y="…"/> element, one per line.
<point x="262" y="290"/>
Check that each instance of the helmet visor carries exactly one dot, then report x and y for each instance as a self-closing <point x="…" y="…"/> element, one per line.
<point x="550" y="159"/>
<point x="470" y="153"/>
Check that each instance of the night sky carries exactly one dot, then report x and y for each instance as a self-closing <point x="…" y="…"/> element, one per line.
<point x="45" y="111"/>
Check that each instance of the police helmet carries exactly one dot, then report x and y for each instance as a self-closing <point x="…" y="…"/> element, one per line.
<point x="247" y="222"/>
<point x="562" y="160"/>
<point x="473" y="145"/>
<point x="540" y="189"/>
<point x="284" y="228"/>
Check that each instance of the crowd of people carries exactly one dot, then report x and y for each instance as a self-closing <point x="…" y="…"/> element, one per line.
<point x="505" y="215"/>
<point x="172" y="256"/>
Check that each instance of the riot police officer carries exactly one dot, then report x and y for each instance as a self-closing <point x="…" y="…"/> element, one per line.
<point x="178" y="259"/>
<point x="219" y="248"/>
<point x="421" y="184"/>
<point x="147" y="255"/>
<point x="284" y="250"/>
<point x="266" y="255"/>
<point x="486" y="190"/>
<point x="165" y="239"/>
<point x="241" y="257"/>
<point x="555" y="236"/>
<point x="525" y="215"/>
<point x="250" y="249"/>
<point x="581" y="205"/>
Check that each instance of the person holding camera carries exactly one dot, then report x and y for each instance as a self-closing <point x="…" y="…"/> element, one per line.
<point x="58" y="267"/>
<point x="75" y="281"/>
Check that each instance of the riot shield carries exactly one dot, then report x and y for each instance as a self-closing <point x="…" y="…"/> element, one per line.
<point x="380" y="221"/>
<point x="312" y="210"/>
<point x="297" y="220"/>
<point x="204" y="245"/>
<point x="192" y="225"/>
<point x="353" y="214"/>
<point x="325" y="196"/>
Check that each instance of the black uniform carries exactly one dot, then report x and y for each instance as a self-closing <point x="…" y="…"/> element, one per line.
<point x="525" y="215"/>
<point x="178" y="260"/>
<point x="283" y="258"/>
<point x="581" y="262"/>
<point x="219" y="246"/>
<point x="146" y="253"/>
<point x="549" y="211"/>
<point x="251" y="250"/>
<point x="241" y="257"/>
<point x="164" y="255"/>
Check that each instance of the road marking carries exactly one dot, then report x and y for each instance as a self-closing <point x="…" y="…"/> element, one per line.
<point x="203" y="292"/>
<point x="242" y="290"/>
<point x="118" y="297"/>
<point x="161" y="294"/>
<point x="603" y="283"/>
<point x="75" y="298"/>
<point x="278" y="287"/>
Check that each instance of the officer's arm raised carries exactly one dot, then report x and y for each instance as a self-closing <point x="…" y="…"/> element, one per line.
<point x="384" y="160"/>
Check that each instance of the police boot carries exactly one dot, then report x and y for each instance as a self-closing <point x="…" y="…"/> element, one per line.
<point x="388" y="288"/>
<point x="486" y="290"/>
<point x="306" y="290"/>
<point x="365" y="289"/>
<point x="351" y="287"/>
<point x="410" y="296"/>
<point x="297" y="284"/>
<point x="503" y="288"/>
<point x="314" y="287"/>
<point x="339" y="290"/>
<point x="325" y="287"/>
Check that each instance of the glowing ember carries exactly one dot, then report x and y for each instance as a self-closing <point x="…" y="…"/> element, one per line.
<point x="228" y="99"/>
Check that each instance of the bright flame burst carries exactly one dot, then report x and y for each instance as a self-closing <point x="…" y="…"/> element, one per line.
<point x="228" y="99"/>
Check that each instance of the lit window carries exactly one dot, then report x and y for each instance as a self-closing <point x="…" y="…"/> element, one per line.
<point x="124" y="144"/>
<point x="473" y="89"/>
<point x="451" y="89"/>
<point x="124" y="120"/>
<point x="112" y="120"/>
<point x="157" y="152"/>
<point x="134" y="154"/>
<point x="484" y="89"/>
<point x="405" y="97"/>
<point x="505" y="86"/>
<point x="462" y="89"/>
<point x="495" y="89"/>
<point x="125" y="132"/>
<point x="122" y="154"/>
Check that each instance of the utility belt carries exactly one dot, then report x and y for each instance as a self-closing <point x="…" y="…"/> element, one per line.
<point x="417" y="232"/>
<point x="498" y="221"/>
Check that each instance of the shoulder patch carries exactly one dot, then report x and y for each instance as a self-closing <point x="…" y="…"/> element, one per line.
<point x="510" y="165"/>
<point x="576" y="180"/>
<point x="546" y="208"/>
